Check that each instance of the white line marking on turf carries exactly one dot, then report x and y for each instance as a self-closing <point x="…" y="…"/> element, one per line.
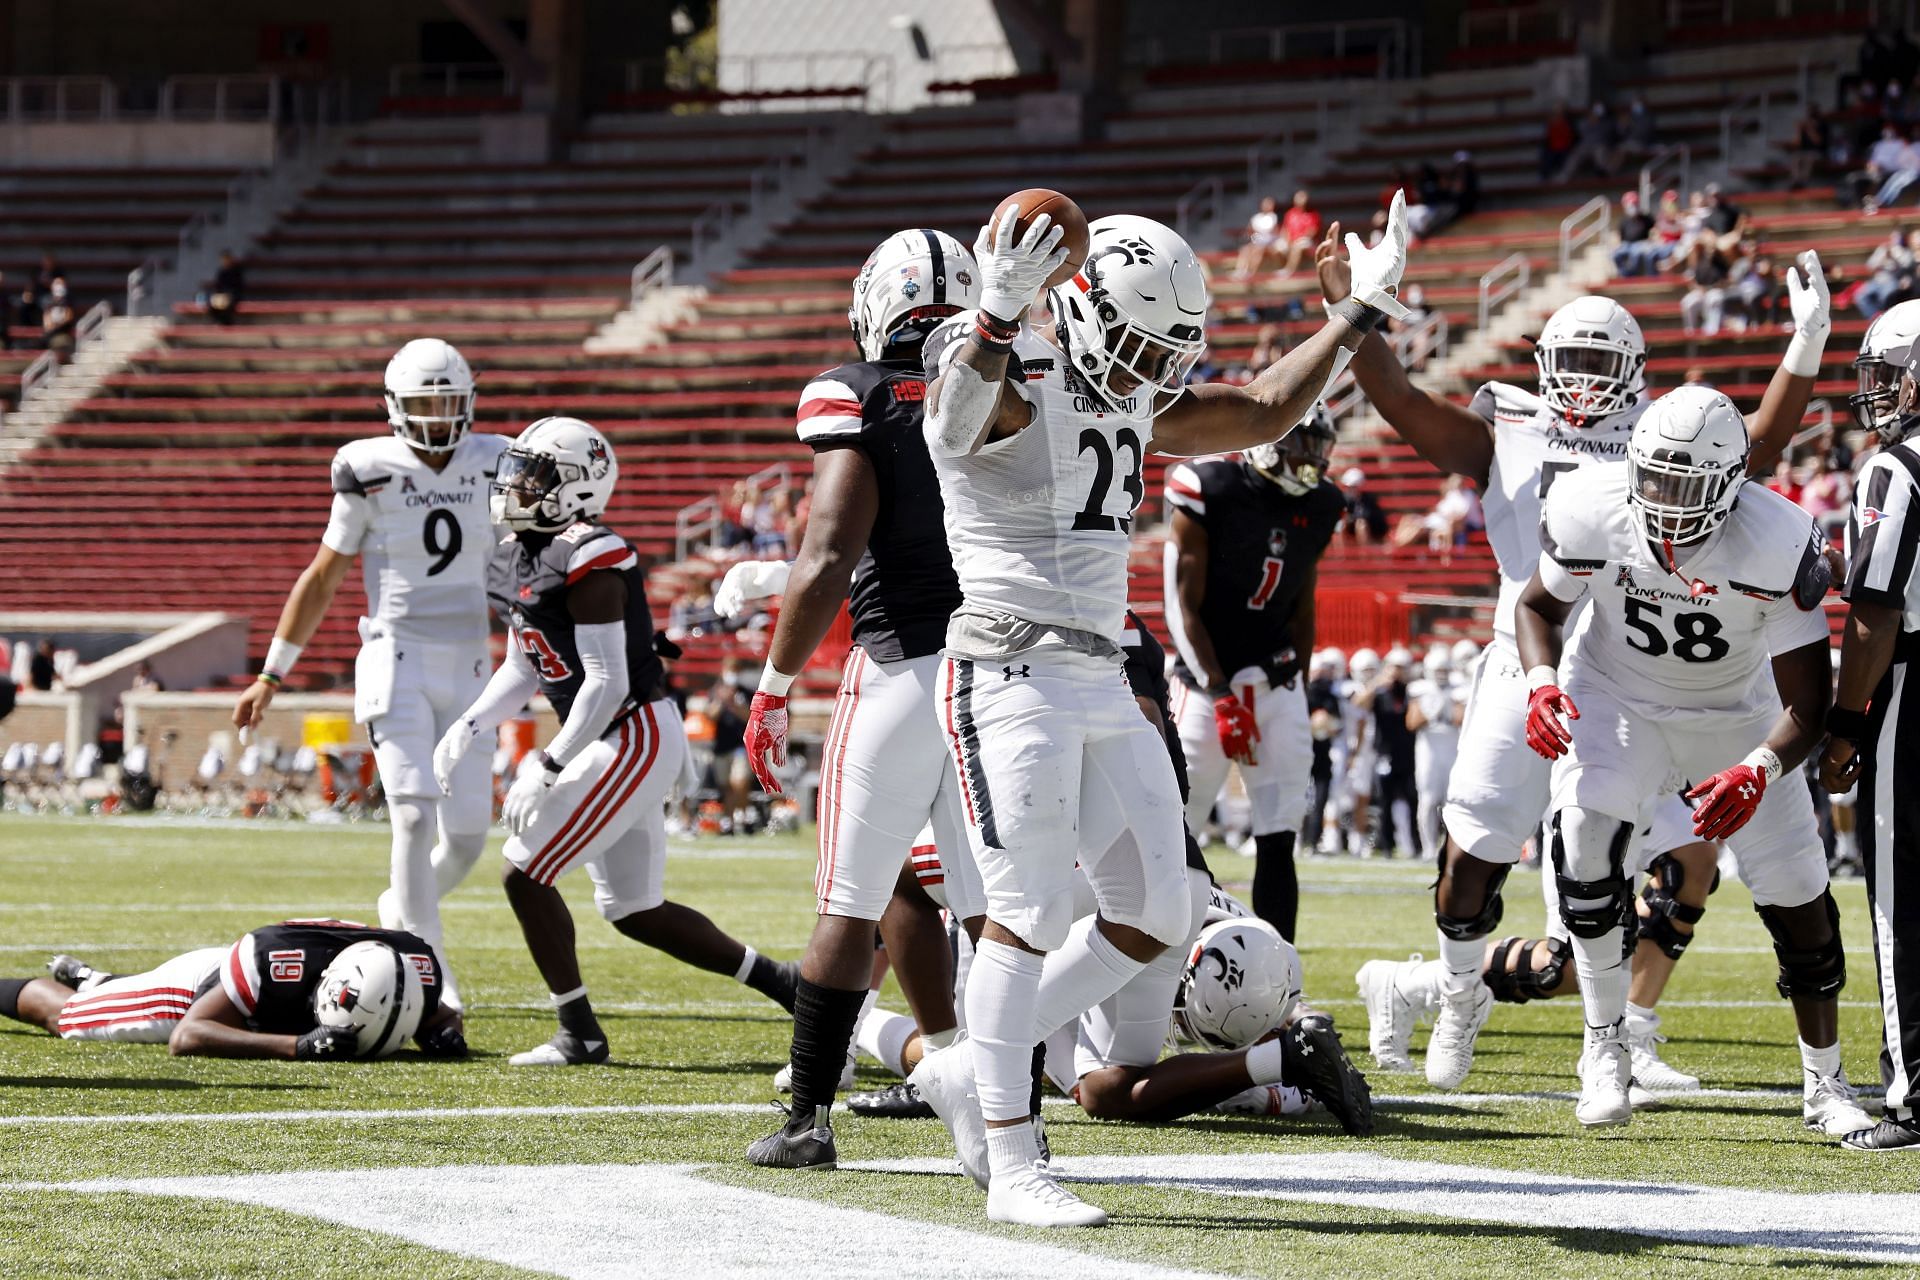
<point x="615" y="1222"/>
<point x="1873" y="1226"/>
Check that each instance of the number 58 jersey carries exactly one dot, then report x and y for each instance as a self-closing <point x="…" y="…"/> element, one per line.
<point x="1671" y="644"/>
<point x="424" y="537"/>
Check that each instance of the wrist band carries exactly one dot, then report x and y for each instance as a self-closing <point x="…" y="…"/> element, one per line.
<point x="1852" y="726"/>
<point x="267" y="677"/>
<point x="281" y="655"/>
<point x="775" y="683"/>
<point x="1804" y="352"/>
<point x="994" y="328"/>
<point x="1541" y="676"/>
<point x="1766" y="761"/>
<point x="548" y="763"/>
<point x="1362" y="317"/>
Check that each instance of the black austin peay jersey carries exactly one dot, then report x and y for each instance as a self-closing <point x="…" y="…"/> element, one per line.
<point x="1262" y="543"/>
<point x="527" y="586"/>
<point x="904" y="588"/>
<point x="271" y="973"/>
<point x="1146" y="668"/>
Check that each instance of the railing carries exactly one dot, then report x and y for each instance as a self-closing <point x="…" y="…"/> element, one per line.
<point x="1684" y="13"/>
<point x="699" y="521"/>
<point x="1388" y="37"/>
<point x="192" y="233"/>
<point x="769" y="73"/>
<point x="1749" y="114"/>
<point x="1541" y="21"/>
<point x="1677" y="160"/>
<point x="652" y="273"/>
<point x="1580" y="227"/>
<point x="448" y="79"/>
<point x="1501" y="283"/>
<point x="1824" y="410"/>
<point x="41" y="371"/>
<point x="1414" y="345"/>
<point x="1259" y="153"/>
<point x="221" y="98"/>
<point x="61" y="98"/>
<point x="1203" y="202"/>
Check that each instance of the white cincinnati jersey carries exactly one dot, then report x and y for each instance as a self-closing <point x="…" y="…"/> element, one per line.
<point x="1041" y="522"/>
<point x="1666" y="644"/>
<point x="1533" y="446"/>
<point x="424" y="537"/>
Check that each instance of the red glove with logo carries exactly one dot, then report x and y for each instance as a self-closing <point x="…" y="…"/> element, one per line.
<point x="1238" y="729"/>
<point x="1727" y="800"/>
<point x="766" y="738"/>
<point x="1547" y="734"/>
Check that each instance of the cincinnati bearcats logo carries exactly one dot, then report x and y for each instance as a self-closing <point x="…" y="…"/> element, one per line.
<point x="1231" y="972"/>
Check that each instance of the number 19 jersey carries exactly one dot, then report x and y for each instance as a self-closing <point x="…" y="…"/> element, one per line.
<point x="424" y="537"/>
<point x="1533" y="446"/>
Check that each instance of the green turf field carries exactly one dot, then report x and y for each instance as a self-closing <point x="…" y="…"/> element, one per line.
<point x="478" y="1169"/>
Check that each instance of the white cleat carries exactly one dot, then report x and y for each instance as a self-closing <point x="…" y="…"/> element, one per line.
<point x="1397" y="995"/>
<point x="564" y="1050"/>
<point x="945" y="1081"/>
<point x="1031" y="1198"/>
<point x="1265" y="1100"/>
<point x="1450" y="1049"/>
<point x="1830" y="1105"/>
<point x="1605" y="1070"/>
<point x="783" y="1078"/>
<point x="1649" y="1071"/>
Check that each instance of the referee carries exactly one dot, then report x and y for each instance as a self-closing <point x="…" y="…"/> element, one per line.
<point x="1874" y="724"/>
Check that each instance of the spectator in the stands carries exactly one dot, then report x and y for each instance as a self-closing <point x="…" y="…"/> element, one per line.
<point x="1890" y="276"/>
<point x="1704" y="302"/>
<point x="49" y="271"/>
<point x="1884" y="159"/>
<point x="40" y="671"/>
<point x="1639" y="135"/>
<point x="1268" y="347"/>
<point x="1726" y="222"/>
<point x="1449" y="198"/>
<point x="1905" y="170"/>
<point x="1556" y="142"/>
<point x="58" y="320"/>
<point x="223" y="299"/>
<point x="6" y="315"/>
<point x="1455" y="515"/>
<point x="1669" y="227"/>
<point x="1366" y="521"/>
<point x="1825" y="493"/>
<point x="771" y="519"/>
<point x="1838" y="453"/>
<point x="736" y="516"/>
<point x="1695" y="376"/>
<point x="1598" y="147"/>
<point x="26" y="311"/>
<point x="1783" y="481"/>
<point x="1638" y="253"/>
<point x="1760" y="296"/>
<point x="144" y="680"/>
<point x="728" y="703"/>
<point x="1808" y="149"/>
<point x="1299" y="231"/>
<point x="1261" y="233"/>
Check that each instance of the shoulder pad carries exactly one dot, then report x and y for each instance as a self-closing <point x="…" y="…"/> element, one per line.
<point x="832" y="405"/>
<point x="1187" y="487"/>
<point x="1499" y="402"/>
<point x="359" y="469"/>
<point x="1574" y="517"/>
<point x="1782" y="547"/>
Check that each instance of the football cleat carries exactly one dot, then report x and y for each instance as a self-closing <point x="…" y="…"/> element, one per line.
<point x="1031" y="1198"/>
<point x="1457" y="1023"/>
<point x="1891" y="1134"/>
<point x="1314" y="1060"/>
<point x="70" y="971"/>
<point x="895" y="1102"/>
<point x="1397" y="994"/>
<point x="945" y="1079"/>
<point x="803" y="1142"/>
<point x="1831" y="1106"/>
<point x="783" y="1078"/>
<point x="1649" y="1071"/>
<point x="564" y="1050"/>
<point x="1265" y="1100"/>
<point x="1605" y="1070"/>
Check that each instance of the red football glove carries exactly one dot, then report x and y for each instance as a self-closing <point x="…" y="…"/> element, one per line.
<point x="1546" y="732"/>
<point x="1238" y="729"/>
<point x="766" y="739"/>
<point x="1727" y="800"/>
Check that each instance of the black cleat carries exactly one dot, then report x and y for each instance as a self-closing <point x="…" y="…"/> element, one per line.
<point x="899" y="1101"/>
<point x="70" y="971"/>
<point x="564" y="1050"/>
<point x="1889" y="1135"/>
<point x="803" y="1142"/>
<point x="1313" y="1060"/>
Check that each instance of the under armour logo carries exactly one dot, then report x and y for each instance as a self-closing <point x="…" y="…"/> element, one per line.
<point x="1746" y="791"/>
<point x="1008" y="673"/>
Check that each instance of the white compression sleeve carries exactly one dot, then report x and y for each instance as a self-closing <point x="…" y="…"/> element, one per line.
<point x="603" y="663"/>
<point x="506" y="692"/>
<point x="966" y="405"/>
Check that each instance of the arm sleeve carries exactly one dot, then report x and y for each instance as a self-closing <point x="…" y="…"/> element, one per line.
<point x="1881" y="534"/>
<point x="603" y="688"/>
<point x="347" y="524"/>
<point x="506" y="692"/>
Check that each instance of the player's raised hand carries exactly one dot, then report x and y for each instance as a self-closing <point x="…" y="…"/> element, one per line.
<point x="451" y="750"/>
<point x="1809" y="298"/>
<point x="750" y="580"/>
<point x="1012" y="273"/>
<point x="251" y="708"/>
<point x="1336" y="278"/>
<point x="1727" y="800"/>
<point x="1239" y="731"/>
<point x="766" y="739"/>
<point x="1376" y="272"/>
<point x="1548" y="709"/>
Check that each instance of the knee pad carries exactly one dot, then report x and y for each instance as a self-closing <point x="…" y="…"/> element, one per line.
<point x="1589" y="861"/>
<point x="1512" y="975"/>
<point x="1668" y="875"/>
<point x="1819" y="971"/>
<point x="1468" y="928"/>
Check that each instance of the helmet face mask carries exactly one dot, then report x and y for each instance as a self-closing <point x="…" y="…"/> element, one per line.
<point x="1686" y="462"/>
<point x="1592" y="360"/>
<point x="1297" y="461"/>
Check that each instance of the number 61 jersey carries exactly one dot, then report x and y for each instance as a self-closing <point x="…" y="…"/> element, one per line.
<point x="424" y="537"/>
<point x="1672" y="644"/>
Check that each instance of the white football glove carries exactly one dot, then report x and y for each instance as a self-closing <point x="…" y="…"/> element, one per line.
<point x="1812" y="304"/>
<point x="451" y="749"/>
<point x="1012" y="275"/>
<point x="525" y="796"/>
<point x="1377" y="271"/>
<point x="750" y="580"/>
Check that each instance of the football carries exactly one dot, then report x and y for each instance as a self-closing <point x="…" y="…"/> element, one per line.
<point x="1035" y="201"/>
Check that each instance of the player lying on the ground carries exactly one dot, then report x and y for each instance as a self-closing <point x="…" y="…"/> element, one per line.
<point x="1702" y="586"/>
<point x="297" y="989"/>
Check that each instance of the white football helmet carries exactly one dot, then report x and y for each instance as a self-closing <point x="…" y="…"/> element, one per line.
<point x="1336" y="659"/>
<point x="1686" y="462"/>
<point x="1365" y="664"/>
<point x="1592" y="359"/>
<point x="429" y="395"/>
<point x="1242" y="980"/>
<point x="557" y="471"/>
<point x="1465" y="654"/>
<point x="1888" y="400"/>
<point x="1298" y="459"/>
<point x="1438" y="662"/>
<point x="910" y="282"/>
<point x="1133" y="319"/>
<point x="1399" y="656"/>
<point x="374" y="991"/>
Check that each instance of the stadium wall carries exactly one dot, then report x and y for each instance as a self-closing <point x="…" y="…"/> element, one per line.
<point x="146" y="144"/>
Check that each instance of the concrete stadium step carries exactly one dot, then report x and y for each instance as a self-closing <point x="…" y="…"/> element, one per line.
<point x="430" y="290"/>
<point x="361" y="310"/>
<point x="249" y="337"/>
<point x="500" y="380"/>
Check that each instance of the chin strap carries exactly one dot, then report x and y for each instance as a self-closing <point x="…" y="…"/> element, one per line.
<point x="1695" y="587"/>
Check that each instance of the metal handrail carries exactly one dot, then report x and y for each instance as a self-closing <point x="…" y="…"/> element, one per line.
<point x="36" y="373"/>
<point x="20" y="97"/>
<point x="97" y="315"/>
<point x="138" y="281"/>
<point x="873" y="73"/>
<point x="1742" y="110"/>
<point x="652" y="273"/>
<point x="1822" y="407"/>
<point x="1425" y="340"/>
<point x="1281" y="142"/>
<point x="1677" y="157"/>
<point x="1561" y="15"/>
<point x="1240" y="42"/>
<point x="1213" y="191"/>
<point x="1581" y="226"/>
<point x="265" y="89"/>
<point x="413" y="77"/>
<point x="701" y="518"/>
<point x="1502" y="282"/>
<point x="43" y="369"/>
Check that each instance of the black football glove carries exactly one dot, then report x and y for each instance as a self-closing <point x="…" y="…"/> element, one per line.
<point x="327" y="1044"/>
<point x="443" y="1041"/>
<point x="1286" y="669"/>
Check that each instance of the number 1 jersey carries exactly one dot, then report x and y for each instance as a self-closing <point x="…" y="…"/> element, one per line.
<point x="424" y="537"/>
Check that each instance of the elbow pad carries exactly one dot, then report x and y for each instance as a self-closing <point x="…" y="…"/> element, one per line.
<point x="967" y="404"/>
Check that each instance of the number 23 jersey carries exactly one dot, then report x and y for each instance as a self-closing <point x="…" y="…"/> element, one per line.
<point x="424" y="537"/>
<point x="1668" y="645"/>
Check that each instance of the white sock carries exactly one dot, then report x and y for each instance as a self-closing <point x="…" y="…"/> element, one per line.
<point x="1079" y="976"/>
<point x="1461" y="959"/>
<point x="454" y="857"/>
<point x="1061" y="1067"/>
<point x="1640" y="1013"/>
<point x="1011" y="1148"/>
<point x="566" y="997"/>
<point x="962" y="966"/>
<point x="882" y="1035"/>
<point x="415" y="892"/>
<point x="1820" y="1062"/>
<point x="1001" y="995"/>
<point x="746" y="965"/>
<point x="939" y="1039"/>
<point x="1263" y="1062"/>
<point x="1598" y="962"/>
